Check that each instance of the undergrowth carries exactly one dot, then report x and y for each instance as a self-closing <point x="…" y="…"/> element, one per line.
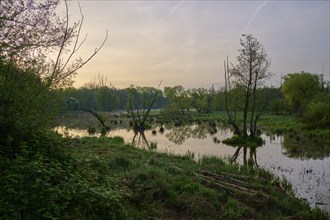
<point x="56" y="178"/>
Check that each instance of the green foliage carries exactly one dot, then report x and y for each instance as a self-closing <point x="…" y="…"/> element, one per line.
<point x="166" y="186"/>
<point x="244" y="141"/>
<point x="72" y="104"/>
<point x="44" y="181"/>
<point x="27" y="104"/>
<point x="201" y="99"/>
<point x="105" y="179"/>
<point x="106" y="99"/>
<point x="307" y="95"/>
<point x="179" y="99"/>
<point x="299" y="89"/>
<point x="318" y="114"/>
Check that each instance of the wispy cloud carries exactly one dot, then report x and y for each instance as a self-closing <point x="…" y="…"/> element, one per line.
<point x="255" y="14"/>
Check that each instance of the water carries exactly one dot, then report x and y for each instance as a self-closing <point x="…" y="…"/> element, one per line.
<point x="310" y="178"/>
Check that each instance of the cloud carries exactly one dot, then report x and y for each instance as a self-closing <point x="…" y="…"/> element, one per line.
<point x="255" y="14"/>
<point x="184" y="42"/>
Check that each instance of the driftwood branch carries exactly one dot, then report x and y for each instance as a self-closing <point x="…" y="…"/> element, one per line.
<point x="99" y="118"/>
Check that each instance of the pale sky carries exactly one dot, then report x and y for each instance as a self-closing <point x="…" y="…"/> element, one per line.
<point x="185" y="42"/>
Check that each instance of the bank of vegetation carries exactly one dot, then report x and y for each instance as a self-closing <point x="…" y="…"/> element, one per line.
<point x="90" y="178"/>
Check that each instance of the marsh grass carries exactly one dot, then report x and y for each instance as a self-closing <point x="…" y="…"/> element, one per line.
<point x="169" y="187"/>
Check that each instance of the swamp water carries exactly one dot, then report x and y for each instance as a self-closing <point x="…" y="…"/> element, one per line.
<point x="309" y="175"/>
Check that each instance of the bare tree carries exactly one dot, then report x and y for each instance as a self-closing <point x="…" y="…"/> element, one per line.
<point x="231" y="109"/>
<point x="248" y="75"/>
<point x="139" y="108"/>
<point x="31" y="30"/>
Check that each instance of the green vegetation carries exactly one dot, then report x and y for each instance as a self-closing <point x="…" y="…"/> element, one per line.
<point x="102" y="97"/>
<point x="106" y="179"/>
<point x="46" y="181"/>
<point x="237" y="141"/>
<point x="242" y="85"/>
<point x="308" y="96"/>
<point x="27" y="104"/>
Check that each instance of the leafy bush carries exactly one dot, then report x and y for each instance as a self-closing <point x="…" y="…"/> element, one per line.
<point x="44" y="181"/>
<point x="27" y="104"/>
<point x="318" y="115"/>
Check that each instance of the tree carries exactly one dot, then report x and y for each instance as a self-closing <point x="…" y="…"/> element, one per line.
<point x="106" y="99"/>
<point x="299" y="89"/>
<point x="246" y="76"/>
<point x="72" y="104"/>
<point x="201" y="100"/>
<point x="277" y="103"/>
<point x="139" y="104"/>
<point x="179" y="99"/>
<point x="31" y="30"/>
<point x="27" y="104"/>
<point x="309" y="97"/>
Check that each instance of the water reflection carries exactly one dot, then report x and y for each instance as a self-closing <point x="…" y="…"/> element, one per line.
<point x="178" y="135"/>
<point x="142" y="140"/>
<point x="251" y="161"/>
<point x="305" y="147"/>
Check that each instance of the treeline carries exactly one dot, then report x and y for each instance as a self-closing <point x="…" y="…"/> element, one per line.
<point x="107" y="98"/>
<point x="209" y="100"/>
<point x="176" y="98"/>
<point x="302" y="94"/>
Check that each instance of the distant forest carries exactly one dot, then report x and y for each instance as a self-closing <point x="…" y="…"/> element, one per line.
<point x="105" y="98"/>
<point x="303" y="94"/>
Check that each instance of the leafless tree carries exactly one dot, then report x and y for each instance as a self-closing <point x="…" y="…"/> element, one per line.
<point x="31" y="30"/>
<point x="248" y="75"/>
<point x="140" y="111"/>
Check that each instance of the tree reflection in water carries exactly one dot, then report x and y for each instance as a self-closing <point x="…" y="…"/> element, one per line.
<point x="178" y="135"/>
<point x="251" y="161"/>
<point x="306" y="146"/>
<point x="142" y="140"/>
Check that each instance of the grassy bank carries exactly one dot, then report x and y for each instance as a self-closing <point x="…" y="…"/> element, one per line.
<point x="162" y="186"/>
<point x="104" y="178"/>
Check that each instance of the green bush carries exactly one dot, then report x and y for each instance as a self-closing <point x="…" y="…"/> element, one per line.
<point x="44" y="181"/>
<point x="27" y="104"/>
<point x="318" y="115"/>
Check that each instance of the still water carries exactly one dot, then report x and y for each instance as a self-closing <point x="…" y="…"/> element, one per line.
<point x="309" y="176"/>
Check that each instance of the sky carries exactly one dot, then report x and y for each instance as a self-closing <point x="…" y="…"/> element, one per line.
<point x="185" y="42"/>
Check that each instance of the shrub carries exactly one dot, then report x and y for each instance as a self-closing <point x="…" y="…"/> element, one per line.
<point x="44" y="181"/>
<point x="318" y="115"/>
<point x="27" y="104"/>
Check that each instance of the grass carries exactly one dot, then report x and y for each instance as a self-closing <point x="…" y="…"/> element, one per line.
<point x="177" y="187"/>
<point x="238" y="141"/>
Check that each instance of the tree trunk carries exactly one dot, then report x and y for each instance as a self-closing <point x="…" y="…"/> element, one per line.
<point x="245" y="111"/>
